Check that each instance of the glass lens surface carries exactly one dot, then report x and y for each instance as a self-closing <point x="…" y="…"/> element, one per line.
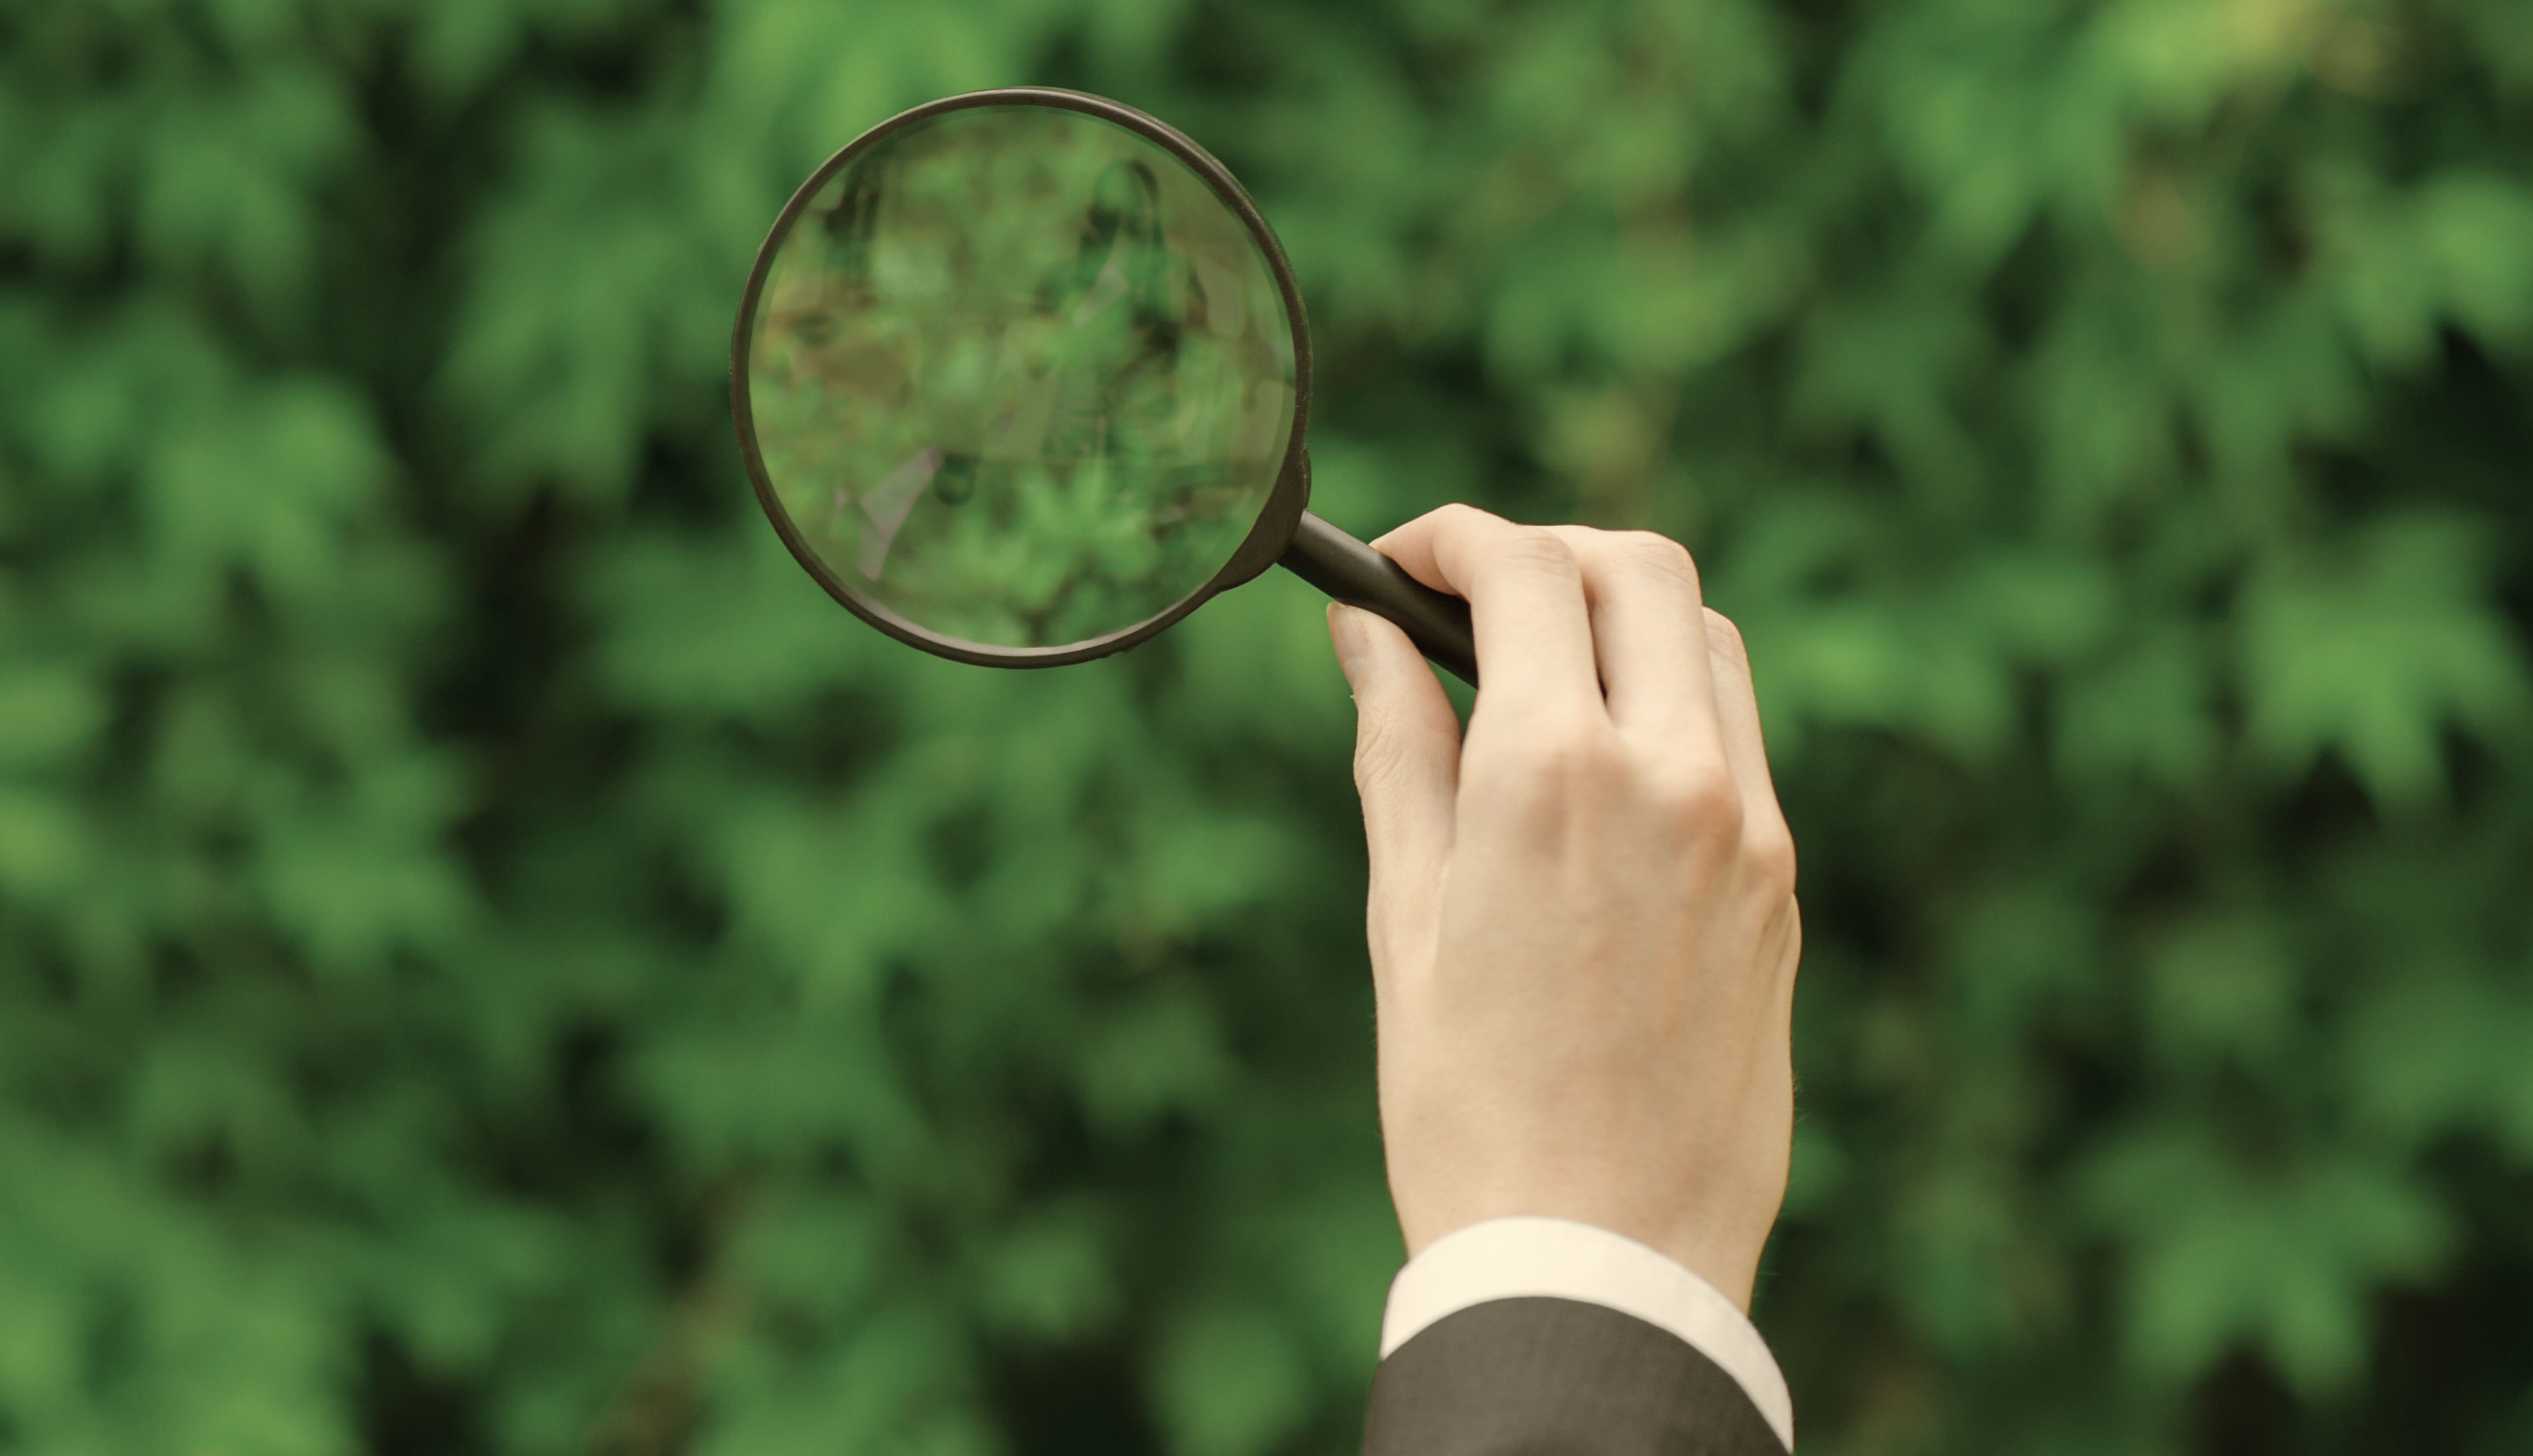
<point x="1020" y="376"/>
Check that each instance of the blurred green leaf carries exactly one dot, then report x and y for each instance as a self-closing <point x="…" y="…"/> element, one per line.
<point x="47" y="713"/>
<point x="2372" y="650"/>
<point x="493" y="959"/>
<point x="1229" y="1383"/>
<point x="2284" y="1260"/>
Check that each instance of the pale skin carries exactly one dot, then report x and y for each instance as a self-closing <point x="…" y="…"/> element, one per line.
<point x="1582" y="916"/>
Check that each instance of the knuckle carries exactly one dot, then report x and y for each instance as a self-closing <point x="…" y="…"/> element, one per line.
<point x="1578" y="757"/>
<point x="1702" y="801"/>
<point x="1536" y="548"/>
<point x="1724" y="638"/>
<point x="1379" y="750"/>
<point x="1768" y="850"/>
<point x="1444" y="528"/>
<point x="1659" y="556"/>
<point x="1455" y="523"/>
<point x="1552" y="761"/>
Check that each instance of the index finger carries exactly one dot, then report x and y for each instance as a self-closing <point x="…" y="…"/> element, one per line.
<point x="1525" y="594"/>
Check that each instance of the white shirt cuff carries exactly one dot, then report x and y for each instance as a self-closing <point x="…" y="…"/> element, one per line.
<point x="1503" y="1258"/>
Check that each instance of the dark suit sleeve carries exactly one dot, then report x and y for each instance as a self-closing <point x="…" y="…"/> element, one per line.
<point x="1556" y="1377"/>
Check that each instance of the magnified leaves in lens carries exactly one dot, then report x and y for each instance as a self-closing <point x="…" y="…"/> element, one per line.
<point x="1020" y="376"/>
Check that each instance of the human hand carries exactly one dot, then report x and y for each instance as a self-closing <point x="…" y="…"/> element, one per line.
<point x="1581" y="919"/>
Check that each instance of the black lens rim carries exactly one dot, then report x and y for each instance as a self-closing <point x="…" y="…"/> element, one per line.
<point x="1268" y="537"/>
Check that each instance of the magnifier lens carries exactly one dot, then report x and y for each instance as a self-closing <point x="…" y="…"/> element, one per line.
<point x="1020" y="377"/>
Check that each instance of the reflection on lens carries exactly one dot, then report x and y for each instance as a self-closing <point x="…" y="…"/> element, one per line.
<point x="1020" y="376"/>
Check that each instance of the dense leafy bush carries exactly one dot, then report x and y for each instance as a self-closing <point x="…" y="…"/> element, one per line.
<point x="491" y="960"/>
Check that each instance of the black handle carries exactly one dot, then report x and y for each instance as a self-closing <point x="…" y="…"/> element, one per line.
<point x="1352" y="572"/>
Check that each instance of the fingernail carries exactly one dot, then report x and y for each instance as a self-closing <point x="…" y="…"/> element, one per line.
<point x="1345" y="633"/>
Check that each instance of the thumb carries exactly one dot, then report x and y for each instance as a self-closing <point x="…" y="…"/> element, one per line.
<point x="1406" y="767"/>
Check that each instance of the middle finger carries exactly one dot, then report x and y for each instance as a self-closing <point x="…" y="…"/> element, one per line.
<point x="1648" y="635"/>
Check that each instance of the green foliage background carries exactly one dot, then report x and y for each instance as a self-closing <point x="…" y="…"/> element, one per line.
<point x="492" y="961"/>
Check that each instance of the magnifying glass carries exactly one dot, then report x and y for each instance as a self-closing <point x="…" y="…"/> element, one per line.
<point x="1020" y="376"/>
